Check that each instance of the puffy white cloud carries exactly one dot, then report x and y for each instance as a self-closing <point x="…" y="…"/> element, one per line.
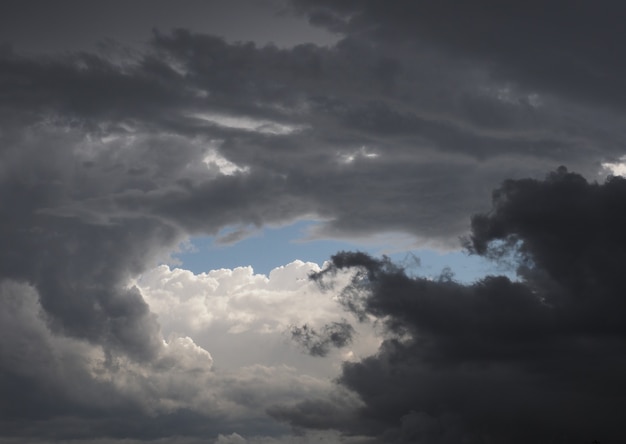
<point x="236" y="300"/>
<point x="244" y="318"/>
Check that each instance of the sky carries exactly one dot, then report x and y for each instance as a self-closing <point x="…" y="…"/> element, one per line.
<point x="310" y="221"/>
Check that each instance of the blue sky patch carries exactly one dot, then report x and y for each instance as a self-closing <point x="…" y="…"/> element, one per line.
<point x="271" y="247"/>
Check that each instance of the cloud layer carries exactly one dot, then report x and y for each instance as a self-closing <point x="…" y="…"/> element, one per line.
<point x="109" y="159"/>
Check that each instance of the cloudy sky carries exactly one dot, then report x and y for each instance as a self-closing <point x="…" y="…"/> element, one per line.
<point x="310" y="221"/>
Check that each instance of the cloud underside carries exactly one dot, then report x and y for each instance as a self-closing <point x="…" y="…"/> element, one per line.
<point x="109" y="160"/>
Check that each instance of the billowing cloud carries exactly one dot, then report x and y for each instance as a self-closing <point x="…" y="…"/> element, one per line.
<point x="236" y="300"/>
<point x="245" y="318"/>
<point x="499" y="360"/>
<point x="75" y="389"/>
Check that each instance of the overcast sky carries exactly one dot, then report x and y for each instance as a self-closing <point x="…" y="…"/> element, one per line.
<point x="195" y="197"/>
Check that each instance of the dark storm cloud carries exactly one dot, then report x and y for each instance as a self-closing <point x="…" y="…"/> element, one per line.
<point x="35" y="25"/>
<point x="80" y="269"/>
<point x="501" y="361"/>
<point x="434" y="121"/>
<point x="352" y="133"/>
<point x="319" y="343"/>
<point x="569" y="236"/>
<point x="570" y="48"/>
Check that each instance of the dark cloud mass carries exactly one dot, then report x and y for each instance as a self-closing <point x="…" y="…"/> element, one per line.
<point x="540" y="359"/>
<point x="111" y="157"/>
<point x="563" y="47"/>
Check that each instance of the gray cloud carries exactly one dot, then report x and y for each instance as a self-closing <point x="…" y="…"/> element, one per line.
<point x="80" y="268"/>
<point x="434" y="123"/>
<point x="499" y="360"/>
<point x="560" y="48"/>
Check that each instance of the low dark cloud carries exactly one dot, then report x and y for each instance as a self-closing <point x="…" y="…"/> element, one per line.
<point x="567" y="48"/>
<point x="539" y="359"/>
<point x="360" y="133"/>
